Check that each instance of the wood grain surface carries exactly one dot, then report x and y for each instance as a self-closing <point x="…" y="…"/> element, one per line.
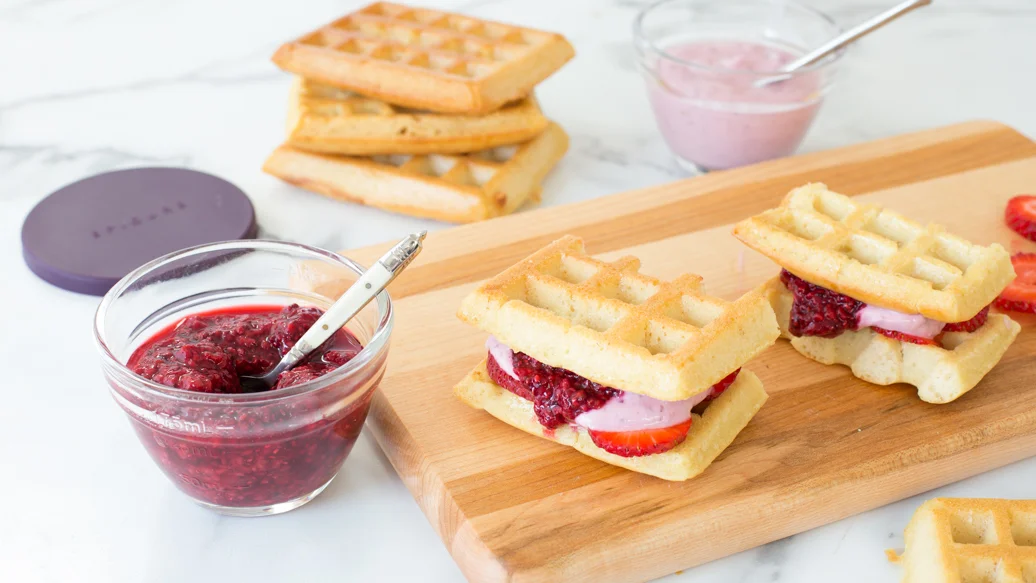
<point x="512" y="507"/>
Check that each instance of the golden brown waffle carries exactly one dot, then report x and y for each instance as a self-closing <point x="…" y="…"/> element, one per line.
<point x="455" y="188"/>
<point x="940" y="373"/>
<point x="878" y="256"/>
<point x="427" y="59"/>
<point x="971" y="540"/>
<point x="710" y="432"/>
<point x="337" y="121"/>
<point x="617" y="327"/>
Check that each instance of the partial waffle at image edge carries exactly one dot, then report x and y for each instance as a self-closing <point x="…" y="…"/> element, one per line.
<point x="971" y="540"/>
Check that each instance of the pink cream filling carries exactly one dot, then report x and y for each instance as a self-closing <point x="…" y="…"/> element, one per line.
<point x="503" y="355"/>
<point x="912" y="324"/>
<point x="625" y="412"/>
<point x="633" y="412"/>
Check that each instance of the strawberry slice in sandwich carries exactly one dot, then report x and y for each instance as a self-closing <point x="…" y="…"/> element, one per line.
<point x="895" y="300"/>
<point x="627" y="369"/>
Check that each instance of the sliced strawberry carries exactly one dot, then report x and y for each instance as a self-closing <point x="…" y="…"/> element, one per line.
<point x="905" y="337"/>
<point x="644" y="442"/>
<point x="724" y="384"/>
<point x="1020" y="294"/>
<point x="1020" y="215"/>
<point x="969" y="325"/>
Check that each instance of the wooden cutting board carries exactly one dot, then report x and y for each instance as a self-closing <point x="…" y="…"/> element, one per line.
<point x="512" y="507"/>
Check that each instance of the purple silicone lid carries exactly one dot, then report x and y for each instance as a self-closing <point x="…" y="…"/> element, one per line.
<point x="86" y="236"/>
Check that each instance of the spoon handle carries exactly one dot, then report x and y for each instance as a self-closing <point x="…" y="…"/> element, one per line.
<point x="865" y="27"/>
<point x="359" y="294"/>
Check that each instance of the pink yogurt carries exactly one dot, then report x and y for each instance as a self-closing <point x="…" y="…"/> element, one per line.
<point x="503" y="355"/>
<point x="633" y="412"/>
<point x="912" y="324"/>
<point x="714" y="117"/>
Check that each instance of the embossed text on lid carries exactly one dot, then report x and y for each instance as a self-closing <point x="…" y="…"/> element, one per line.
<point x="87" y="235"/>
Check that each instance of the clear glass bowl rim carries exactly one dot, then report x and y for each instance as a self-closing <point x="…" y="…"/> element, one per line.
<point x="377" y="344"/>
<point x="642" y="40"/>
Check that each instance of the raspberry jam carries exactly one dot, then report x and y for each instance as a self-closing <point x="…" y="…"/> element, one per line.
<point x="505" y="380"/>
<point x="241" y="453"/>
<point x="208" y="352"/>
<point x="818" y="311"/>
<point x="558" y="395"/>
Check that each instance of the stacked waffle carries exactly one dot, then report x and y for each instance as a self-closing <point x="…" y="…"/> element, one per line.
<point x="421" y="112"/>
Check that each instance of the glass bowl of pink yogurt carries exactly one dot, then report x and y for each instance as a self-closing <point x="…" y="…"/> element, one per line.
<point x="702" y="59"/>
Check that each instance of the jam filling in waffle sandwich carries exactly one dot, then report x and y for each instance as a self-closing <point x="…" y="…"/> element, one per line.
<point x="639" y="373"/>
<point x="895" y="300"/>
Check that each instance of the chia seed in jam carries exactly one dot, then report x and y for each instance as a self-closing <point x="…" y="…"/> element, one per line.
<point x="818" y="311"/>
<point x="505" y="380"/>
<point x="208" y="352"/>
<point x="266" y="456"/>
<point x="558" y="395"/>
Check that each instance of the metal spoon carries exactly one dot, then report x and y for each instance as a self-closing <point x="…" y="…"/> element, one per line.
<point x="847" y="37"/>
<point x="352" y="301"/>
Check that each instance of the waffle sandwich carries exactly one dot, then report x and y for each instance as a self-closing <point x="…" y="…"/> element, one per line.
<point x="457" y="188"/>
<point x="636" y="372"/>
<point x="427" y="59"/>
<point x="962" y="540"/>
<point x="894" y="300"/>
<point x="322" y="118"/>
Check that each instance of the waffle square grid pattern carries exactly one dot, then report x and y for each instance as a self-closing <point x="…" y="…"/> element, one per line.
<point x="475" y="169"/>
<point x="960" y="540"/>
<point x="399" y="40"/>
<point x="449" y="43"/>
<point x="617" y="327"/>
<point x="878" y="256"/>
<point x="331" y="102"/>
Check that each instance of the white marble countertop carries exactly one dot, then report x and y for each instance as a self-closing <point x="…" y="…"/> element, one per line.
<point x="91" y="85"/>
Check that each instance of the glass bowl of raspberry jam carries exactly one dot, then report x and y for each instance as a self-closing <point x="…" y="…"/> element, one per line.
<point x="175" y="334"/>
